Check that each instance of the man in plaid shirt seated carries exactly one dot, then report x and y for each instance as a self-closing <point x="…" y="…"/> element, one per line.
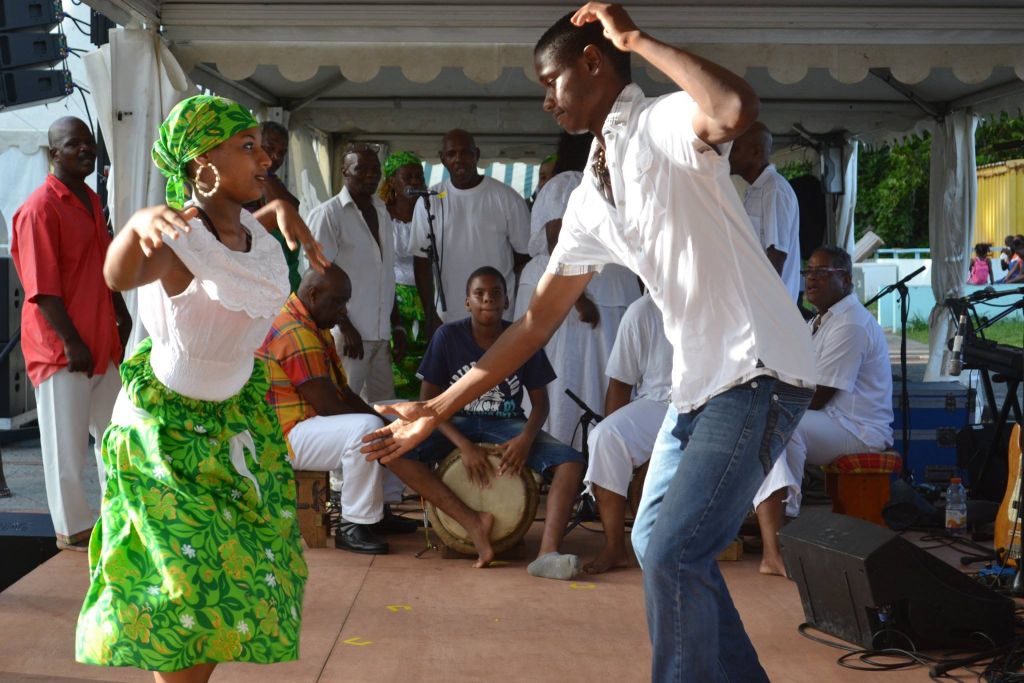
<point x="322" y="418"/>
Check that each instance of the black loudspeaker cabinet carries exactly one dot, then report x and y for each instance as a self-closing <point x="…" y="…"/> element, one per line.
<point x="864" y="584"/>
<point x="810" y="197"/>
<point x="12" y="297"/>
<point x="16" y="394"/>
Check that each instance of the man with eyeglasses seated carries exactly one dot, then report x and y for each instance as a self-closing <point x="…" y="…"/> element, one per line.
<point x="850" y="411"/>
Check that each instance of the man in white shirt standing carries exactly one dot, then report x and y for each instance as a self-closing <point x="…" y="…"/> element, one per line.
<point x="770" y="203"/>
<point x="354" y="229"/>
<point x="851" y="410"/>
<point x="478" y="221"/>
<point x="657" y="199"/>
<point x="641" y="359"/>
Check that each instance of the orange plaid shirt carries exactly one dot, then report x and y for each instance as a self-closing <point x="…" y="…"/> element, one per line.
<point x="295" y="352"/>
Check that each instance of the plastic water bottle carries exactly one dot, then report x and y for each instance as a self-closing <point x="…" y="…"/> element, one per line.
<point x="956" y="508"/>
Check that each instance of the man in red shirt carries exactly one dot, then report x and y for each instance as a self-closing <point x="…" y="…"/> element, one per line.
<point x="73" y="328"/>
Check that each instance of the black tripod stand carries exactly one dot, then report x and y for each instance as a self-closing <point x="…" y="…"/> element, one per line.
<point x="584" y="508"/>
<point x="435" y="259"/>
<point x="901" y="287"/>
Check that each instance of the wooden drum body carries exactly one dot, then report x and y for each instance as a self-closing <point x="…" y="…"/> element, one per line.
<point x="512" y="499"/>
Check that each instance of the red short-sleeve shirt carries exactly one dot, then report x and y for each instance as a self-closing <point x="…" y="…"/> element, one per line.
<point x="58" y="249"/>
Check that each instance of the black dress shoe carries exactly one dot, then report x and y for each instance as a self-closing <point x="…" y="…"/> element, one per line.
<point x="392" y="524"/>
<point x="358" y="538"/>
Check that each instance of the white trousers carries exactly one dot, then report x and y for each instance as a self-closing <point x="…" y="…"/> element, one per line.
<point x="818" y="439"/>
<point x="622" y="442"/>
<point x="331" y="443"/>
<point x="71" y="406"/>
<point x="369" y="376"/>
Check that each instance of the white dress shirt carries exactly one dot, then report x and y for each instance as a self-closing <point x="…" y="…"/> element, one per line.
<point x="642" y="356"/>
<point x="338" y="225"/>
<point x="774" y="212"/>
<point x="678" y="223"/>
<point x="853" y="358"/>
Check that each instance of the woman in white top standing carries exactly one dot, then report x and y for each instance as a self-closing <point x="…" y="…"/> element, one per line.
<point x="197" y="558"/>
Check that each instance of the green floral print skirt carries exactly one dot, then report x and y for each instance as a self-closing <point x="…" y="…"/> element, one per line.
<point x="196" y="557"/>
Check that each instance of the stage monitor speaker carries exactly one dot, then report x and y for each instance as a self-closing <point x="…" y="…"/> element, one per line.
<point x="18" y="50"/>
<point x="17" y="395"/>
<point x="864" y="584"/>
<point x="810" y="197"/>
<point x="12" y="298"/>
<point x="33" y="86"/>
<point x="30" y="15"/>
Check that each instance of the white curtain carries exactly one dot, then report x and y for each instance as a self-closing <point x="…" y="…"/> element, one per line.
<point x="848" y="201"/>
<point x="135" y="81"/>
<point x="952" y="198"/>
<point x="308" y="167"/>
<point x="22" y="173"/>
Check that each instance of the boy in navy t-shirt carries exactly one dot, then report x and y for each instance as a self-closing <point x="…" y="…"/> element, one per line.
<point x="495" y="417"/>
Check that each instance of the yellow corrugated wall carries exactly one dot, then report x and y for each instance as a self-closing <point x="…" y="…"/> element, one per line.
<point x="1000" y="202"/>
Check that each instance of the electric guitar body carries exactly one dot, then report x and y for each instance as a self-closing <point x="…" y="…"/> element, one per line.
<point x="1008" y="532"/>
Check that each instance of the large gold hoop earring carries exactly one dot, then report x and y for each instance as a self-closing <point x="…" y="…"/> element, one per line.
<point x="216" y="181"/>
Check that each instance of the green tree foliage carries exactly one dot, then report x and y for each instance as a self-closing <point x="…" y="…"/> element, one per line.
<point x="892" y="192"/>
<point x="796" y="169"/>
<point x="1000" y="138"/>
<point x="892" y="181"/>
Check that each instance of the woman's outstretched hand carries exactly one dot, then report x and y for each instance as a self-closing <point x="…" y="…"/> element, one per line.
<point x="155" y="225"/>
<point x="296" y="233"/>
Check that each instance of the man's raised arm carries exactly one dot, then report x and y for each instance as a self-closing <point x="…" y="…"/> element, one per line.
<point x="728" y="105"/>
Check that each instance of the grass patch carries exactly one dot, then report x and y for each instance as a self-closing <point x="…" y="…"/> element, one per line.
<point x="1009" y="332"/>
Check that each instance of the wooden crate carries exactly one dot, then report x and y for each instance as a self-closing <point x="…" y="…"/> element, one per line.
<point x="312" y="491"/>
<point x="732" y="553"/>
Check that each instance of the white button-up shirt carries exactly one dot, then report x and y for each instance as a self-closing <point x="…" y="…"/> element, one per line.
<point x="679" y="224"/>
<point x="641" y="355"/>
<point x="774" y="212"/>
<point x="338" y="225"/>
<point x="853" y="358"/>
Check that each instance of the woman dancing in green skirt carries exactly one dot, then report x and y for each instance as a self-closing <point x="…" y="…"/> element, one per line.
<point x="197" y="558"/>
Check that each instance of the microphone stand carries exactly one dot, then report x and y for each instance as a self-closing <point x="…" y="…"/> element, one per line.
<point x="901" y="287"/>
<point x="584" y="508"/>
<point x="435" y="257"/>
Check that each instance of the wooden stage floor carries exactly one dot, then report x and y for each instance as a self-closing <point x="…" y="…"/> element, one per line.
<point x="398" y="618"/>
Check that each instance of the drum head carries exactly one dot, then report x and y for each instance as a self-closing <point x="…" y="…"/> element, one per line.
<point x="512" y="499"/>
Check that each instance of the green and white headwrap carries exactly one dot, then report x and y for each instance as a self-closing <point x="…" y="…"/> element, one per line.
<point x="397" y="160"/>
<point x="195" y="126"/>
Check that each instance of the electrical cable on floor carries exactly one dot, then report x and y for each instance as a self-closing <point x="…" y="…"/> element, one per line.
<point x="1002" y="663"/>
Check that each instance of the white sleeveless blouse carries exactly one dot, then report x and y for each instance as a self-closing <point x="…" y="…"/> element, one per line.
<point x="204" y="339"/>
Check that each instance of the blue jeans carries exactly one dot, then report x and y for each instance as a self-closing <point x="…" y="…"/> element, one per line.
<point x="546" y="452"/>
<point x="705" y="469"/>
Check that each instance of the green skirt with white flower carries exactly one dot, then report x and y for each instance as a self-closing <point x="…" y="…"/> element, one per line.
<point x="197" y="556"/>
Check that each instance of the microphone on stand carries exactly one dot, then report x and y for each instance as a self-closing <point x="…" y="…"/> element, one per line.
<point x="417" y="192"/>
<point x="956" y="363"/>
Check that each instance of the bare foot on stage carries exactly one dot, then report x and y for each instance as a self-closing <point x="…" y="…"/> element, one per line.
<point x="773" y="566"/>
<point x="608" y="558"/>
<point x="481" y="537"/>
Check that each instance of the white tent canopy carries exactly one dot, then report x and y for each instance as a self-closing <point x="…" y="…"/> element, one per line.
<point x="407" y="72"/>
<point x="402" y="74"/>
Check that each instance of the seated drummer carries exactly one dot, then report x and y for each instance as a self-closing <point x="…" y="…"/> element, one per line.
<point x="322" y="418"/>
<point x="495" y="417"/>
<point x="851" y="409"/>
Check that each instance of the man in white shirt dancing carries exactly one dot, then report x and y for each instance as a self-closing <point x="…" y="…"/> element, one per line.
<point x="657" y="199"/>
